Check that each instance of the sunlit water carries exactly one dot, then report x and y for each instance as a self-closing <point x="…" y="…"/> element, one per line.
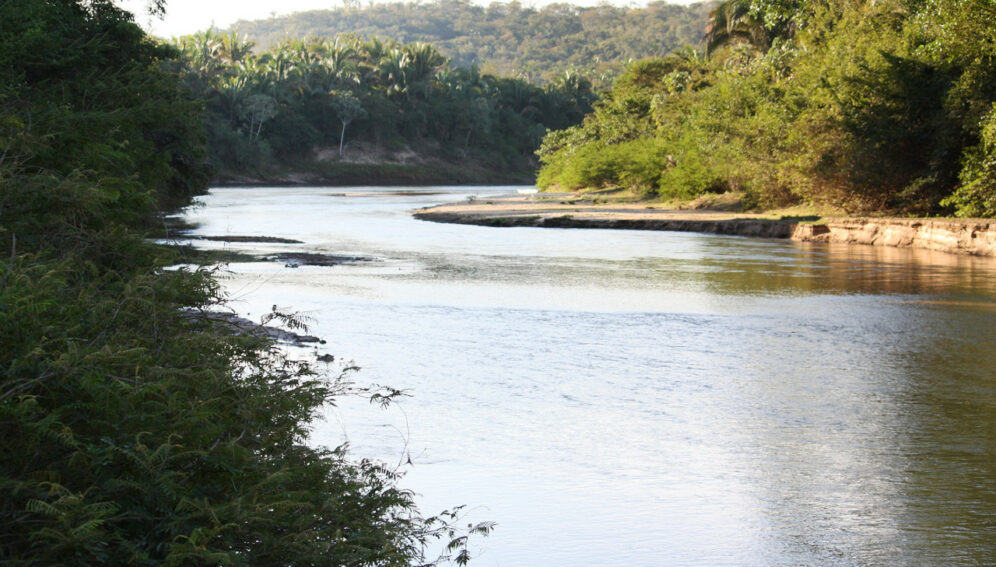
<point x="649" y="398"/>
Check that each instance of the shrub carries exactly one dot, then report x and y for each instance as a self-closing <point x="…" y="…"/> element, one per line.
<point x="976" y="196"/>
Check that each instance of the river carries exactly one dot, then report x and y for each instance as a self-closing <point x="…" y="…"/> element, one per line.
<point x="647" y="398"/>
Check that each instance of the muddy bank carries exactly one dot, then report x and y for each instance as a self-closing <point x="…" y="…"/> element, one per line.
<point x="957" y="236"/>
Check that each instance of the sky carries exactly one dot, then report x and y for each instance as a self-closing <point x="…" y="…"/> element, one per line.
<point x="188" y="16"/>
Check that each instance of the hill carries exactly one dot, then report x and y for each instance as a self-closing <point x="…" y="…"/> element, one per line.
<point x="506" y="39"/>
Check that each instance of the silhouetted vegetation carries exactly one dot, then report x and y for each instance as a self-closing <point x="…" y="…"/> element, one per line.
<point x="136" y="427"/>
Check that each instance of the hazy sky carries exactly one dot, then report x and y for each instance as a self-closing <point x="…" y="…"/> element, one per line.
<point x="188" y="16"/>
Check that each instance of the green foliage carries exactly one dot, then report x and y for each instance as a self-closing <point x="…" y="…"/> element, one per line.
<point x="281" y="105"/>
<point x="634" y="164"/>
<point x="735" y="21"/>
<point x="63" y="113"/>
<point x="136" y="428"/>
<point x="509" y="39"/>
<point x="868" y="106"/>
<point x="976" y="197"/>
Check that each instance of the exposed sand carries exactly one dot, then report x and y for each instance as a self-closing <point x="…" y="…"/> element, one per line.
<point x="567" y="211"/>
<point x="560" y="204"/>
<point x="957" y="236"/>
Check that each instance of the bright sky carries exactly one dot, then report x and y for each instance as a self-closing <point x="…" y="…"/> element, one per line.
<point x="188" y="16"/>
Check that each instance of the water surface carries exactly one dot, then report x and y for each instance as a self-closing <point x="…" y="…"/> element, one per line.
<point x="649" y="398"/>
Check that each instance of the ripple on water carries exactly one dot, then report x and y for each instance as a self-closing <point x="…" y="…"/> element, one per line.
<point x="627" y="398"/>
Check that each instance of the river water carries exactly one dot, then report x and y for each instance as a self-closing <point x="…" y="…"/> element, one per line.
<point x="648" y="398"/>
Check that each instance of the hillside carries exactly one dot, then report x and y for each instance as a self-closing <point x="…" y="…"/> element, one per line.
<point x="506" y="39"/>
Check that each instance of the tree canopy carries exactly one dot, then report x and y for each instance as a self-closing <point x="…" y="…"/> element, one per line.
<point x="505" y="38"/>
<point x="871" y="106"/>
<point x="275" y="107"/>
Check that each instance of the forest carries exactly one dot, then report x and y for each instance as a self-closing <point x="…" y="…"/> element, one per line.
<point x="439" y="92"/>
<point x="136" y="428"/>
<point x="306" y="105"/>
<point x="859" y="106"/>
<point x="507" y="38"/>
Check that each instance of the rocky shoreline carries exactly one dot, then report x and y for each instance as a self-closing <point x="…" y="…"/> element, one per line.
<point x="957" y="236"/>
<point x="976" y="237"/>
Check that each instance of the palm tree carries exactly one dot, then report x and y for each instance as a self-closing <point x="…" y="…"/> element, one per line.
<point x="394" y="71"/>
<point x="232" y="90"/>
<point x="234" y="48"/>
<point x="733" y="22"/>
<point x="471" y="98"/>
<point x="574" y="95"/>
<point x="520" y="96"/>
<point x="202" y="50"/>
<point x="424" y="60"/>
<point x="371" y="55"/>
<point x="338" y="63"/>
<point x="279" y="72"/>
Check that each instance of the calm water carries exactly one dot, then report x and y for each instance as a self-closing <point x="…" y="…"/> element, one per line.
<point x="649" y="398"/>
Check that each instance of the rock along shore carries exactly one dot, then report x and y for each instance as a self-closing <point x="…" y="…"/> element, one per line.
<point x="958" y="236"/>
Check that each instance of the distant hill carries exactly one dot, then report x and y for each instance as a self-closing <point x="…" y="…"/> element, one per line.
<point x="506" y="39"/>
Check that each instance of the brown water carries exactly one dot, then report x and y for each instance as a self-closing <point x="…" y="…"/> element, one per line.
<point x="649" y="398"/>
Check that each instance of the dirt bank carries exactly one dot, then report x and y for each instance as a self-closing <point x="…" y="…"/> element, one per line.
<point x="958" y="236"/>
<point x="371" y="164"/>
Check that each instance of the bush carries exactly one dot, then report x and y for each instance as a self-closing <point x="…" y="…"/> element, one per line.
<point x="135" y="427"/>
<point x="867" y="106"/>
<point x="976" y="196"/>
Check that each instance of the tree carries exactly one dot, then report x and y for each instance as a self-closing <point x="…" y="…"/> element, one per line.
<point x="138" y="426"/>
<point x="734" y="21"/>
<point x="258" y="109"/>
<point x="348" y="108"/>
<point x="509" y="40"/>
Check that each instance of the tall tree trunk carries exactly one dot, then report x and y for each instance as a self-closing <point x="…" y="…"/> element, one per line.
<point x="342" y="136"/>
<point x="466" y="141"/>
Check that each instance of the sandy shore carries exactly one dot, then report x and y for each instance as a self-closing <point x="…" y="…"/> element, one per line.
<point x="958" y="236"/>
<point x="567" y="211"/>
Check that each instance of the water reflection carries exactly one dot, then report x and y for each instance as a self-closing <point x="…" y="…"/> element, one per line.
<point x="622" y="397"/>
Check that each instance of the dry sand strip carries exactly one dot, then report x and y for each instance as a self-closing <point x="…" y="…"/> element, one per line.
<point x="569" y="212"/>
<point x="958" y="236"/>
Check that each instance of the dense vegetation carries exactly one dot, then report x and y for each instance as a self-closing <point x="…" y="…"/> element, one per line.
<point x="506" y="39"/>
<point x="868" y="105"/>
<point x="135" y="429"/>
<point x="300" y="104"/>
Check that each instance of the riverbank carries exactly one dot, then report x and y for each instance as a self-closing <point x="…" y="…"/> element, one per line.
<point x="369" y="164"/>
<point x="348" y="175"/>
<point x="957" y="236"/>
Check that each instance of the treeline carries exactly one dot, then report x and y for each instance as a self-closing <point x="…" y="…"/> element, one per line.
<point x="870" y="106"/>
<point x="136" y="428"/>
<point x="506" y="39"/>
<point x="272" y="109"/>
